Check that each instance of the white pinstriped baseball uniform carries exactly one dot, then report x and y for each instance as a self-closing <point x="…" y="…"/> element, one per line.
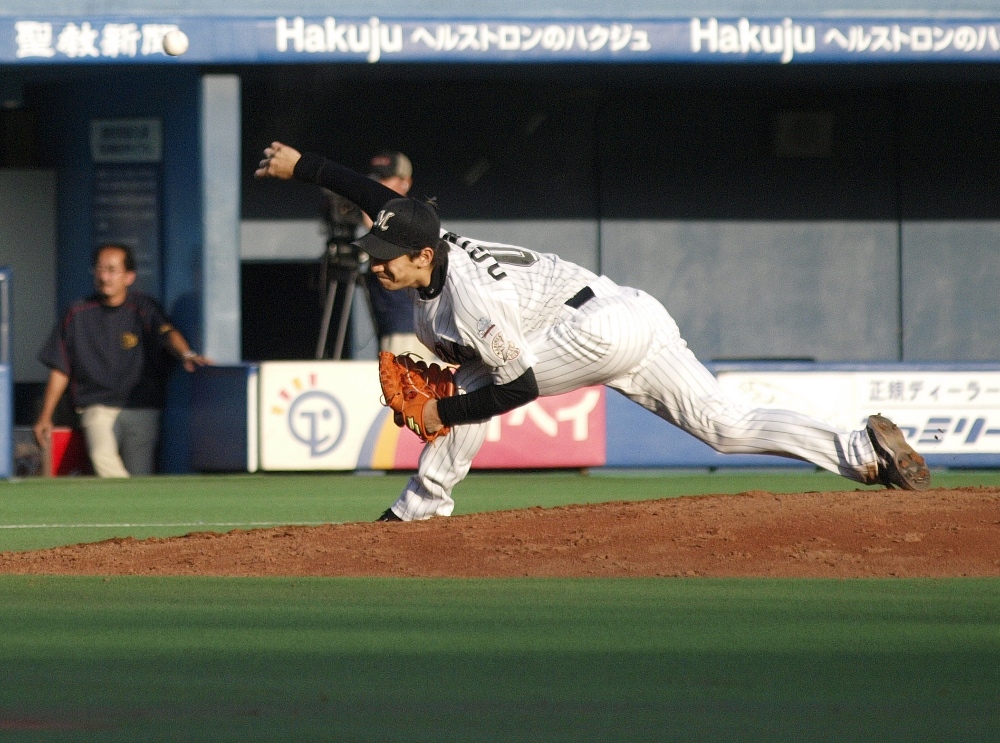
<point x="511" y="318"/>
<point x="503" y="310"/>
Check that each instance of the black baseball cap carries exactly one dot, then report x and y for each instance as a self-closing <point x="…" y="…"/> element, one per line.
<point x="402" y="225"/>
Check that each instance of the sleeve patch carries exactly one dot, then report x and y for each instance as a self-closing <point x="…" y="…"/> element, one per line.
<point x="505" y="351"/>
<point x="484" y="327"/>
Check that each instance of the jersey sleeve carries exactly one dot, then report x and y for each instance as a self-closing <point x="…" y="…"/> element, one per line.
<point x="156" y="330"/>
<point x="54" y="353"/>
<point x="490" y="321"/>
<point x="154" y="320"/>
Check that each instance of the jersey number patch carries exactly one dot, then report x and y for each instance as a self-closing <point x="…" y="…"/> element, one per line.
<point x="506" y="254"/>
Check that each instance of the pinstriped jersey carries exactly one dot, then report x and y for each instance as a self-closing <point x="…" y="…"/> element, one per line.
<point x="497" y="301"/>
<point x="494" y="297"/>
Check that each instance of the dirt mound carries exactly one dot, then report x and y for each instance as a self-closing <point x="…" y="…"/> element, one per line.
<point x="835" y="535"/>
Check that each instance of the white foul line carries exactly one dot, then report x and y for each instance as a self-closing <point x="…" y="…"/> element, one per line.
<point x="159" y="526"/>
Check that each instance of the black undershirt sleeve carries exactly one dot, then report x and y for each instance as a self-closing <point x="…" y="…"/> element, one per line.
<point x="484" y="403"/>
<point x="371" y="196"/>
<point x="366" y="192"/>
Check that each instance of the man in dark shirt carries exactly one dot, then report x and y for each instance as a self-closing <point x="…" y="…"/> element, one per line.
<point x="111" y="350"/>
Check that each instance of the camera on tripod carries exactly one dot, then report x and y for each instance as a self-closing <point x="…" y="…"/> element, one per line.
<point x="343" y="218"/>
<point x="342" y="265"/>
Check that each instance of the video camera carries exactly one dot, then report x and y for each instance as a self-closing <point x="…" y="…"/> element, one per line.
<point x="342" y="217"/>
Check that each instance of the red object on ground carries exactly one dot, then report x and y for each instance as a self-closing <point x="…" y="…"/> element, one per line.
<point x="69" y="453"/>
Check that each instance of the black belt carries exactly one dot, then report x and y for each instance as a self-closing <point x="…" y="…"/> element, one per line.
<point x="580" y="298"/>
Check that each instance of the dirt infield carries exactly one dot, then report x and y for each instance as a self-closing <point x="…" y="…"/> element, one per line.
<point x="835" y="535"/>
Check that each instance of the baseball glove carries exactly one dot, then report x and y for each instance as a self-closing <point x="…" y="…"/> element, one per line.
<point x="408" y="385"/>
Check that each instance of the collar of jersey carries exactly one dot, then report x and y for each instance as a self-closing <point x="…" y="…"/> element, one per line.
<point x="437" y="282"/>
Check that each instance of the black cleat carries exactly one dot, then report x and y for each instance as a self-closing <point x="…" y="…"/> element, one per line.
<point x="388" y="516"/>
<point x="898" y="464"/>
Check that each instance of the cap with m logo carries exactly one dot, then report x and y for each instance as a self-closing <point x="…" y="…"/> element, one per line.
<point x="402" y="226"/>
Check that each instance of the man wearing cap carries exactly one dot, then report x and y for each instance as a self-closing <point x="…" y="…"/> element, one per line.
<point x="392" y="311"/>
<point x="520" y="324"/>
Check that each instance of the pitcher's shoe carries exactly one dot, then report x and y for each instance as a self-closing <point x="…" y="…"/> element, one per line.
<point x="388" y="516"/>
<point x="898" y="464"/>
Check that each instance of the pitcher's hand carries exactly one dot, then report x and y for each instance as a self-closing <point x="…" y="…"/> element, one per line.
<point x="279" y="162"/>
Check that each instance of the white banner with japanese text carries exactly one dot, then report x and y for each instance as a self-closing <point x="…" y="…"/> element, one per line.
<point x="941" y="412"/>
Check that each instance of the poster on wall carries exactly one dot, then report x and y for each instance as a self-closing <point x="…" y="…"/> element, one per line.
<point x="126" y="192"/>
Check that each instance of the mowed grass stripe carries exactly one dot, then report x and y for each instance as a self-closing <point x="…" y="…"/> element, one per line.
<point x="211" y="659"/>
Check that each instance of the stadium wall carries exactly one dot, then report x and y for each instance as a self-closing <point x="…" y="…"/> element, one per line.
<point x="326" y="415"/>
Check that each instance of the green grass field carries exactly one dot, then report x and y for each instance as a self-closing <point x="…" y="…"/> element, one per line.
<point x="212" y="659"/>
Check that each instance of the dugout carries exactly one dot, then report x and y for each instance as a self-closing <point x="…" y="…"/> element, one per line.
<point x="795" y="181"/>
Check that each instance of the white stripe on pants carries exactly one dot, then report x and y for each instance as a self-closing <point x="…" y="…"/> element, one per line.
<point x="627" y="340"/>
<point x="672" y="383"/>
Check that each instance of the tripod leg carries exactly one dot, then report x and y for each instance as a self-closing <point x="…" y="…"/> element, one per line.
<point x="324" y="330"/>
<point x="345" y="314"/>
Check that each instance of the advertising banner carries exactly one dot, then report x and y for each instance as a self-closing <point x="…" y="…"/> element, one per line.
<point x="941" y="412"/>
<point x="316" y="415"/>
<point x="42" y="39"/>
<point x="551" y="432"/>
<point x="949" y="413"/>
<point x="327" y="415"/>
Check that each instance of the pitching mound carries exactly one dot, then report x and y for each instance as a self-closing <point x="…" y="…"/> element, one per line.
<point x="857" y="534"/>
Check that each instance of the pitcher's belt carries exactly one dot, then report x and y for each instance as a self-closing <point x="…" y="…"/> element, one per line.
<point x="580" y="298"/>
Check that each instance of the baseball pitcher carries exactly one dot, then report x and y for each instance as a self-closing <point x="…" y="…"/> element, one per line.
<point x="517" y="324"/>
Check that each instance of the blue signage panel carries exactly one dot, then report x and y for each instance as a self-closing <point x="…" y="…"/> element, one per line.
<point x="223" y="438"/>
<point x="126" y="210"/>
<point x="100" y="39"/>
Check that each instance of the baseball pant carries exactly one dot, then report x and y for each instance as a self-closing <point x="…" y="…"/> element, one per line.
<point x="625" y="339"/>
<point x="121" y="441"/>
